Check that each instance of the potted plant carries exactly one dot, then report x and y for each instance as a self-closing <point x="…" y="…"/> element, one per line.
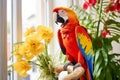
<point x="101" y="18"/>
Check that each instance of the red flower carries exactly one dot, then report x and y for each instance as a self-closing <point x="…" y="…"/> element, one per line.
<point x="89" y="3"/>
<point x="85" y="5"/>
<point x="111" y="7"/>
<point x="118" y="5"/>
<point x="92" y="2"/>
<point x="114" y="6"/>
<point x="105" y="33"/>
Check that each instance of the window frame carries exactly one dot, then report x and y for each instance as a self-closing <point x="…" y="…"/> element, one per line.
<point x="16" y="28"/>
<point x="3" y="39"/>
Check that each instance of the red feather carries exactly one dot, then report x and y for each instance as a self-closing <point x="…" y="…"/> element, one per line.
<point x="68" y="36"/>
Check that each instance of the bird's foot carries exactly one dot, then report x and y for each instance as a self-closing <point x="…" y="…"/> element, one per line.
<point x="76" y="65"/>
<point x="66" y="65"/>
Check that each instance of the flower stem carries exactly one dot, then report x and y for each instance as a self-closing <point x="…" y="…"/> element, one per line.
<point x="34" y="63"/>
<point x="46" y="48"/>
<point x="100" y="12"/>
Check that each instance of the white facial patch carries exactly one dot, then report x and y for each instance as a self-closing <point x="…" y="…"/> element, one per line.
<point x="63" y="14"/>
<point x="54" y="16"/>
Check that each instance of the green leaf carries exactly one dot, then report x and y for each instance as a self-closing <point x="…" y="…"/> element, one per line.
<point x="111" y="21"/>
<point x="113" y="27"/>
<point x="97" y="64"/>
<point x="105" y="56"/>
<point x="107" y="44"/>
<point x="98" y="73"/>
<point x="115" y="38"/>
<point x="97" y="43"/>
<point x="108" y="74"/>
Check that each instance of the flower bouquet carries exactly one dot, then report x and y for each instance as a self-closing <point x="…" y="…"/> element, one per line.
<point x="34" y="51"/>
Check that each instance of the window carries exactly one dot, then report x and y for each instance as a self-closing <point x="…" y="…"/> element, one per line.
<point x="20" y="15"/>
<point x="9" y="39"/>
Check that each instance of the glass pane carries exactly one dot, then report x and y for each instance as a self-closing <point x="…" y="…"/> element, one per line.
<point x="30" y="18"/>
<point x="29" y="13"/>
<point x="61" y="2"/>
<point x="9" y="42"/>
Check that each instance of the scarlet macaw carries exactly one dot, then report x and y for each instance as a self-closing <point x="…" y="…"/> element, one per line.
<point x="74" y="40"/>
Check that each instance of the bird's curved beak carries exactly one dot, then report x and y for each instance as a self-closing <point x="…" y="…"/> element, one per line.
<point x="58" y="19"/>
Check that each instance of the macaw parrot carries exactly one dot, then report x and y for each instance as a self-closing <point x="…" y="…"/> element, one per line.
<point x="74" y="40"/>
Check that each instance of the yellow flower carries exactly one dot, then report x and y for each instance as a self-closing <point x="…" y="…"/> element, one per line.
<point x="22" y="67"/>
<point x="45" y="33"/>
<point x="29" y="55"/>
<point x="17" y="51"/>
<point x="25" y="52"/>
<point x="34" y="45"/>
<point x="17" y="55"/>
<point x="36" y="36"/>
<point x="29" y="31"/>
<point x="23" y="49"/>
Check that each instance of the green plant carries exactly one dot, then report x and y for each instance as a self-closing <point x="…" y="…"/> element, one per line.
<point x="46" y="66"/>
<point x="103" y="28"/>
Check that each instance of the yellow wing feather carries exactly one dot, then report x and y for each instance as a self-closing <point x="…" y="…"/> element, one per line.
<point x="86" y="43"/>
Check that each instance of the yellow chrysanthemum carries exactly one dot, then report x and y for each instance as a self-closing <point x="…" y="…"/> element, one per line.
<point x="17" y="55"/>
<point x="46" y="33"/>
<point x="29" y="31"/>
<point x="17" y="51"/>
<point x="25" y="52"/>
<point x="17" y="45"/>
<point x="23" y="49"/>
<point x="35" y="36"/>
<point x="29" y="55"/>
<point x="34" y="45"/>
<point x="22" y="67"/>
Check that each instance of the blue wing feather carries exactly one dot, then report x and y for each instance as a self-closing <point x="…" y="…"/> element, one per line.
<point x="88" y="58"/>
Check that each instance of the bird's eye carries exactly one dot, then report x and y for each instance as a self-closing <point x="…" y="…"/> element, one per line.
<point x="62" y="11"/>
